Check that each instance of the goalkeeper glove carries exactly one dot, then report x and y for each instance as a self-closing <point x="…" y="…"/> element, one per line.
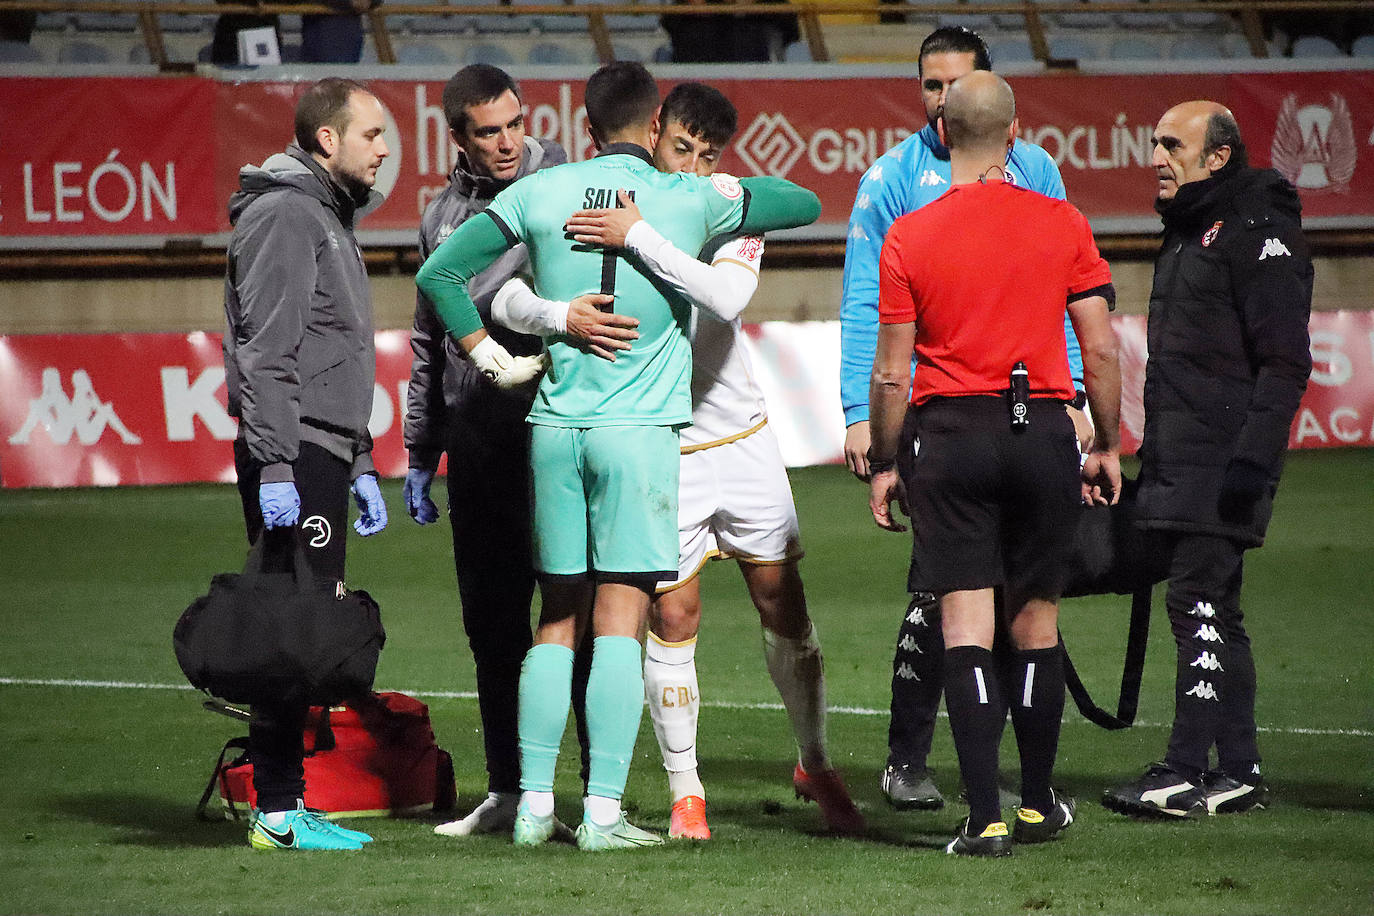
<point x="280" y="504"/>
<point x="504" y="370"/>
<point x="416" y="495"/>
<point x="371" y="509"/>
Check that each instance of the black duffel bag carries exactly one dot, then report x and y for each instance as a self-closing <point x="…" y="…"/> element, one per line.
<point x="270" y="636"/>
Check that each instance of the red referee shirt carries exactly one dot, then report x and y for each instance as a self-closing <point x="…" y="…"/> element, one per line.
<point x="985" y="272"/>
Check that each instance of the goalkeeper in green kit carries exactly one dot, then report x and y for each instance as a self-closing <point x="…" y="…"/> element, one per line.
<point x="604" y="445"/>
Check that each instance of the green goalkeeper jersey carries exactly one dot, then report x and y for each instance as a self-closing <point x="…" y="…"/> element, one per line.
<point x="650" y="384"/>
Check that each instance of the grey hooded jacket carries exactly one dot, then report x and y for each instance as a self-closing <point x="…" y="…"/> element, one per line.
<point x="443" y="380"/>
<point x="299" y="358"/>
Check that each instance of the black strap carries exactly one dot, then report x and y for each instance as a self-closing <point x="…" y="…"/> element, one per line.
<point x="1131" y="672"/>
<point x="240" y="744"/>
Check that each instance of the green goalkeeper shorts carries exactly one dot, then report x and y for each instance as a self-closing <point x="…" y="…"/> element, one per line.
<point x="605" y="500"/>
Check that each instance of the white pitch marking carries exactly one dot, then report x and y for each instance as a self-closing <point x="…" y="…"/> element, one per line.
<point x="471" y="695"/>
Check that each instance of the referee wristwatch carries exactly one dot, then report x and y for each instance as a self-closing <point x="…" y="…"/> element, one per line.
<point x="879" y="465"/>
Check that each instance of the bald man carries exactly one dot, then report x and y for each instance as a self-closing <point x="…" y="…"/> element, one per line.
<point x="1228" y="364"/>
<point x="975" y="283"/>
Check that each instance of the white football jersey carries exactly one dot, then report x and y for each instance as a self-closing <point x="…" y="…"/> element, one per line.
<point x="726" y="400"/>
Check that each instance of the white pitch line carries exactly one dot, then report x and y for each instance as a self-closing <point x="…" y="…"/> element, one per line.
<point x="470" y="695"/>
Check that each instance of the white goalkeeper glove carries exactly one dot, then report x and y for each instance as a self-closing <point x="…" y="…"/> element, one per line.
<point x="506" y="371"/>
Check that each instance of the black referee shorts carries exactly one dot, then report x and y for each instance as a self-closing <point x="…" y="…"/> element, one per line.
<point x="989" y="506"/>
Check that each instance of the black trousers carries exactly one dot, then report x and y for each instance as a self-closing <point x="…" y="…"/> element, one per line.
<point x="489" y="509"/>
<point x="276" y="734"/>
<point x="1214" y="684"/>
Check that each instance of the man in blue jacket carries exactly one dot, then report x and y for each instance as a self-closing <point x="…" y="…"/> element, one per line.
<point x="909" y="176"/>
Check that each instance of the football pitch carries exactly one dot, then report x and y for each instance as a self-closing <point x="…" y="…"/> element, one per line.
<point x="105" y="749"/>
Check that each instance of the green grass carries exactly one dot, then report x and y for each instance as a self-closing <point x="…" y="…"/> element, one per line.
<point x="99" y="784"/>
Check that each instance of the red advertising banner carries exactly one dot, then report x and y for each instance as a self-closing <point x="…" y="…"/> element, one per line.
<point x="110" y="410"/>
<point x="167" y="152"/>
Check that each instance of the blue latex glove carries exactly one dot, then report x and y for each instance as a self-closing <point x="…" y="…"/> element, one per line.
<point x="371" y="509"/>
<point x="416" y="494"/>
<point x="280" y="504"/>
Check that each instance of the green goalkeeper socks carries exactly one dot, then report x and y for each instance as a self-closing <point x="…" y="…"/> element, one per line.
<point x="545" y="697"/>
<point x="615" y="703"/>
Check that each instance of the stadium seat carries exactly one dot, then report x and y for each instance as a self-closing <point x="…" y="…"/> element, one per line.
<point x="548" y="23"/>
<point x="979" y="22"/>
<point x="486" y="53"/>
<point x="1085" y="20"/>
<point x="549" y="52"/>
<point x="1196" y="47"/>
<point x="1010" y="49"/>
<point x="627" y="52"/>
<point x="83" y="52"/>
<point x="1315" y="46"/>
<point x="663" y="54"/>
<point x="105" y="22"/>
<point x="1133" y="48"/>
<point x="622" y="22"/>
<point x="182" y="23"/>
<point x="1199" y="19"/>
<point x="422" y="52"/>
<point x="1062" y="48"/>
<point x="53" y="22"/>
<point x="1362" y="46"/>
<point x="1144" y="18"/>
<point x="19" y="52"/>
<point x="797" y="52"/>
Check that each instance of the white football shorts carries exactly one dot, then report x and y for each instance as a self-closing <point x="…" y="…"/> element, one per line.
<point x="734" y="501"/>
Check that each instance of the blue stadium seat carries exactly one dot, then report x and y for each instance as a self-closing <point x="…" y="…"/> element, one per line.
<point x="1196" y="47"/>
<point x="547" y="23"/>
<point x="622" y="22"/>
<point x="1134" y="48"/>
<point x="1144" y="18"/>
<point x="627" y="52"/>
<point x="422" y="52"/>
<point x="1362" y="46"/>
<point x="1085" y="20"/>
<point x="83" y="52"/>
<point x="1315" y="46"/>
<point x="105" y="22"/>
<point x="1010" y="49"/>
<point x="797" y="52"/>
<point x="1070" y="48"/>
<point x="487" y="53"/>
<point x="550" y="52"/>
<point x="19" y="52"/>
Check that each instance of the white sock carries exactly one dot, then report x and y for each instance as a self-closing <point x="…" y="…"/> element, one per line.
<point x="670" y="685"/>
<point x="601" y="810"/>
<point x="798" y="672"/>
<point x="493" y="801"/>
<point x="540" y="804"/>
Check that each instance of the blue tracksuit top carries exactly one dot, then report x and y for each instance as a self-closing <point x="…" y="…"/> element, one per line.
<point x="906" y="178"/>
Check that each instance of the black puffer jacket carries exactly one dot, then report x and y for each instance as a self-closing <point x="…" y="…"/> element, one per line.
<point x="1228" y="349"/>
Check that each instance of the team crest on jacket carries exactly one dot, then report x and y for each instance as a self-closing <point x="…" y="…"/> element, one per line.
<point x="727" y="185"/>
<point x="1210" y="235"/>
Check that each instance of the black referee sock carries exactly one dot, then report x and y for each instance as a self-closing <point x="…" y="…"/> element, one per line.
<point x="976" y="715"/>
<point x="917" y="682"/>
<point x="1037" y="708"/>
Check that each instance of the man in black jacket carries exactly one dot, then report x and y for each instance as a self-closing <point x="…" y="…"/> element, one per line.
<point x="300" y="366"/>
<point x="1228" y="364"/>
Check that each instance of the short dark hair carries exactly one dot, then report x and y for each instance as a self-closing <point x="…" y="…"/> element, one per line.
<point x="475" y="84"/>
<point x="955" y="39"/>
<point x="1222" y="130"/>
<point x="324" y="104"/>
<point x="619" y="95"/>
<point x="703" y="110"/>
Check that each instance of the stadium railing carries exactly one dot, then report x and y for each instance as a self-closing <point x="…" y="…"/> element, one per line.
<point x="811" y="16"/>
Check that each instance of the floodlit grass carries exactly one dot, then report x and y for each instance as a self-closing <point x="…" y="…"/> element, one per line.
<point x="99" y="783"/>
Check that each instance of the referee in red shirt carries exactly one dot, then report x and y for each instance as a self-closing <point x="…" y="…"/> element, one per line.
<point x="985" y="462"/>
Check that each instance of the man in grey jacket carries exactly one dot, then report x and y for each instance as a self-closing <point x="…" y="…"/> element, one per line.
<point x="455" y="407"/>
<point x="300" y="368"/>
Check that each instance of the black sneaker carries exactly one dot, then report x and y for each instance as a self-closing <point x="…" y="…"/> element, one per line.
<point x="993" y="842"/>
<point x="1040" y="827"/>
<point x="1160" y="793"/>
<point x="909" y="788"/>
<point x="1228" y="795"/>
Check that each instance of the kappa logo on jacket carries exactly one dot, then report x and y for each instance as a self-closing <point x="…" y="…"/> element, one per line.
<point x="1273" y="248"/>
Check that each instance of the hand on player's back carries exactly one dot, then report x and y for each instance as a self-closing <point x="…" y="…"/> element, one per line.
<point x="602" y="331"/>
<point x="607" y="226"/>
